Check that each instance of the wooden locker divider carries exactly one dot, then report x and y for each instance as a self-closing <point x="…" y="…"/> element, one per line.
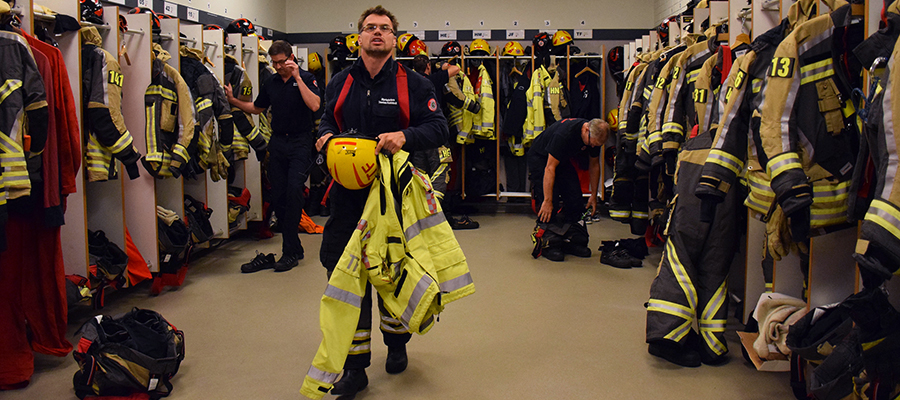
<point x="170" y="191"/>
<point x="217" y="192"/>
<point x="252" y="167"/>
<point x="235" y="48"/>
<point x="140" y="202"/>
<point x="73" y="234"/>
<point x="105" y="201"/>
<point x="196" y="187"/>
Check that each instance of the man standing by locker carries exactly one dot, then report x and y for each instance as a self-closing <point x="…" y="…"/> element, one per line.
<point x="371" y="104"/>
<point x="293" y="95"/>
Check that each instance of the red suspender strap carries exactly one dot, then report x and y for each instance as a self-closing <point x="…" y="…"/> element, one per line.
<point x="403" y="96"/>
<point x="339" y="106"/>
<point x="726" y="62"/>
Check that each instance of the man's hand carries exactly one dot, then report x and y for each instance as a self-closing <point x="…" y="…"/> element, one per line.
<point x="322" y="140"/>
<point x="228" y="92"/>
<point x="390" y="141"/>
<point x="546" y="211"/>
<point x="592" y="204"/>
<point x="292" y="66"/>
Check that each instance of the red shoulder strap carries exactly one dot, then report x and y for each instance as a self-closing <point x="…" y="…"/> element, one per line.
<point x="339" y="106"/>
<point x="403" y="96"/>
<point x="726" y="62"/>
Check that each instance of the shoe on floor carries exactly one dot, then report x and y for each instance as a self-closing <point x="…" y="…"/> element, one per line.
<point x="259" y="263"/>
<point x="577" y="251"/>
<point x="351" y="383"/>
<point x="396" y="360"/>
<point x="553" y="254"/>
<point x="675" y="353"/>
<point x="464" y="222"/>
<point x="617" y="258"/>
<point x="287" y="262"/>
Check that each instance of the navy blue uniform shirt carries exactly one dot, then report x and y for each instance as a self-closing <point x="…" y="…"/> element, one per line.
<point x="290" y="115"/>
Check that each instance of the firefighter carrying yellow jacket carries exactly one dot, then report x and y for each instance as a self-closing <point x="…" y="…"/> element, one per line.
<point x="170" y="121"/>
<point x="108" y="136"/>
<point x="416" y="266"/>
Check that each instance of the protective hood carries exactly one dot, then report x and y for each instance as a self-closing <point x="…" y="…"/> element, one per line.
<point x="89" y="35"/>
<point x="161" y="54"/>
<point x="190" y="52"/>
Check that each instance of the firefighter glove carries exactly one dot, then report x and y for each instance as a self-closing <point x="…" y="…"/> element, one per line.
<point x="778" y="235"/>
<point x="133" y="171"/>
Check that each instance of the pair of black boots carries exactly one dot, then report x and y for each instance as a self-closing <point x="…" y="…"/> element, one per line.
<point x="355" y="380"/>
<point x="267" y="261"/>
<point x="687" y="353"/>
<point x="624" y="254"/>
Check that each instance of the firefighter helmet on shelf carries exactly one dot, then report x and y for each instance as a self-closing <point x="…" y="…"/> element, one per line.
<point x="615" y="59"/>
<point x="480" y="47"/>
<point x="541" y="42"/>
<point x="416" y="47"/>
<point x="352" y="161"/>
<point x="662" y="32"/>
<point x="315" y="62"/>
<point x="338" y="44"/>
<point x="403" y="40"/>
<point x="513" y="49"/>
<point x="561" y="38"/>
<point x="352" y="42"/>
<point x="123" y="24"/>
<point x="165" y="16"/>
<point x="154" y="19"/>
<point x="242" y="26"/>
<point x="451" y="49"/>
<point x="92" y="11"/>
<point x="211" y="27"/>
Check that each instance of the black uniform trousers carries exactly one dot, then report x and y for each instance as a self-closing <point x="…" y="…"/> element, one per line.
<point x="346" y="210"/>
<point x="568" y="199"/>
<point x="289" y="160"/>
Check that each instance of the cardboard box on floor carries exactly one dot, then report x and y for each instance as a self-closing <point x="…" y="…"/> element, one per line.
<point x="777" y="362"/>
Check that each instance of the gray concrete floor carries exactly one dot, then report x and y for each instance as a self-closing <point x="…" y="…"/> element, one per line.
<point x="534" y="329"/>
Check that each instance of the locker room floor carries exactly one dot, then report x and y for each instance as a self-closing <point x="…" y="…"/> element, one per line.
<point x="534" y="329"/>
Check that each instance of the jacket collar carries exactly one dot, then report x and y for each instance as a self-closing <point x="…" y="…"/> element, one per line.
<point x="881" y="43"/>
<point x="359" y="70"/>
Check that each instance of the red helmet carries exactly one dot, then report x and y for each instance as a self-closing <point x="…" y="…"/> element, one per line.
<point x="123" y="24"/>
<point x="416" y="47"/>
<point x="211" y="27"/>
<point x="154" y="19"/>
<point x="451" y="49"/>
<point x="542" y="42"/>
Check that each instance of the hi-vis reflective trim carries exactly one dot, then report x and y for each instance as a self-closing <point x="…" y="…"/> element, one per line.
<point x="487" y="95"/>
<point x="167" y="94"/>
<point x="712" y="325"/>
<point x="423" y="224"/>
<point x="770" y="287"/>
<point x="761" y="185"/>
<point x="361" y="349"/>
<point x="885" y="215"/>
<point x="123" y="143"/>
<point x="180" y="151"/>
<point x="393" y="329"/>
<point x="757" y="85"/>
<point x="667" y="307"/>
<point x="673" y="127"/>
<point x="8" y="88"/>
<point x="647" y="92"/>
<point x="343" y="296"/>
<point x="623" y="125"/>
<point x="680" y="332"/>
<point x="203" y="104"/>
<point x="487" y="124"/>
<point x="152" y="140"/>
<point x="712" y="308"/>
<point x="712" y="341"/>
<point x="630" y="136"/>
<point x="816" y="71"/>
<point x="726" y="160"/>
<point x="322" y="376"/>
<point x="654" y="137"/>
<point x="620" y="213"/>
<point x="811" y="42"/>
<point x="416" y="298"/>
<point x="826" y="217"/>
<point x="782" y="163"/>
<point x="640" y="214"/>
<point x="828" y="193"/>
<point x="681" y="275"/>
<point x="456" y="283"/>
<point x="692" y="76"/>
<point x="254" y="133"/>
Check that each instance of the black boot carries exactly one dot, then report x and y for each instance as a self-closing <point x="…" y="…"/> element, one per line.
<point x="396" y="360"/>
<point x="351" y="382"/>
<point x="553" y="254"/>
<point x="675" y="353"/>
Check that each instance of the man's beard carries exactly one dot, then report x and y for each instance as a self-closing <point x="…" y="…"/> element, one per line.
<point x="379" y="52"/>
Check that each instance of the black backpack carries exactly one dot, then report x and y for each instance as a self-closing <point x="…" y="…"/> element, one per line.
<point x="174" y="245"/>
<point x="139" y="352"/>
<point x="198" y="219"/>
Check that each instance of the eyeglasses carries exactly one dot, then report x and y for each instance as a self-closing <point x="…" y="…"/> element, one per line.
<point x="384" y="28"/>
<point x="280" y="62"/>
